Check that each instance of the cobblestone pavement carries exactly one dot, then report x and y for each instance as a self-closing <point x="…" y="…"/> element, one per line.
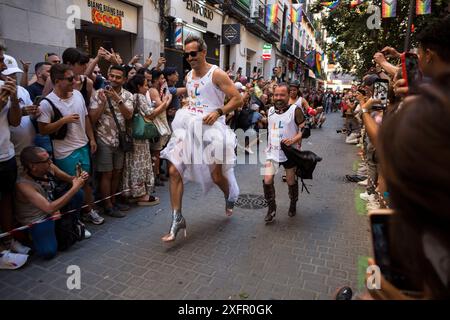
<point x="305" y="257"/>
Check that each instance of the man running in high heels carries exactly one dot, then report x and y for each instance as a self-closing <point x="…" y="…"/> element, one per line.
<point x="200" y="129"/>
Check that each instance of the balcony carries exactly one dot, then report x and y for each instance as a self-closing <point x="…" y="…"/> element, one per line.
<point x="288" y="44"/>
<point x="302" y="53"/>
<point x="297" y="49"/>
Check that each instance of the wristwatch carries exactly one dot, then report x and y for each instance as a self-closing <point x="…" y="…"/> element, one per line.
<point x="220" y="112"/>
<point x="365" y="110"/>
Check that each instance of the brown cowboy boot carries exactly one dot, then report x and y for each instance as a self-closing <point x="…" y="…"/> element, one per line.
<point x="269" y="195"/>
<point x="293" y="195"/>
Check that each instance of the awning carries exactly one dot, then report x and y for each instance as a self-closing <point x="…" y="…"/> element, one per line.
<point x="311" y="74"/>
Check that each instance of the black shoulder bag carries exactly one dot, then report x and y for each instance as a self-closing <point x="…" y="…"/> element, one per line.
<point x="125" y="139"/>
<point x="62" y="132"/>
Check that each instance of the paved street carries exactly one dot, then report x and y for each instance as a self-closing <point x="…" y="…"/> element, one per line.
<point x="306" y="257"/>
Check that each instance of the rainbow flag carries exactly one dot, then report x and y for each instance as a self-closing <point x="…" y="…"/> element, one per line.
<point x="389" y="8"/>
<point x="331" y="4"/>
<point x="272" y="13"/>
<point x="296" y="15"/>
<point x="318" y="67"/>
<point x="423" y="7"/>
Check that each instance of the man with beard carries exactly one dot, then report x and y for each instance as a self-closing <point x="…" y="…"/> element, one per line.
<point x="285" y="126"/>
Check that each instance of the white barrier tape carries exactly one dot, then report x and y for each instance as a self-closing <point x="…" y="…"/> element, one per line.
<point x="57" y="215"/>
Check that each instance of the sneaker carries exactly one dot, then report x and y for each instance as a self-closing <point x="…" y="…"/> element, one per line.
<point x="93" y="217"/>
<point x="354" y="141"/>
<point x="355" y="178"/>
<point x="367" y="197"/>
<point x="12" y="261"/>
<point x="344" y="293"/>
<point x="121" y="206"/>
<point x="17" y="247"/>
<point x="87" y="234"/>
<point x="113" y="212"/>
<point x="364" y="183"/>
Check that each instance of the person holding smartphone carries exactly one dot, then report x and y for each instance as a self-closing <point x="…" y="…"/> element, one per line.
<point x="418" y="180"/>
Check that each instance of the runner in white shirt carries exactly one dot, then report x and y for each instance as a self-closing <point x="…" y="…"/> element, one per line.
<point x="200" y="129"/>
<point x="285" y="124"/>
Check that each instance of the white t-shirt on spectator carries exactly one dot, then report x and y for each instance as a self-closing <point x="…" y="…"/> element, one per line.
<point x="76" y="137"/>
<point x="23" y="135"/>
<point x="6" y="146"/>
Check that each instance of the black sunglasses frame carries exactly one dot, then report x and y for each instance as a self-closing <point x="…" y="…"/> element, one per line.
<point x="193" y="54"/>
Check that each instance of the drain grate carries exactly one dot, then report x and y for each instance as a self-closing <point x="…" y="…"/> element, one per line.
<point x="251" y="201"/>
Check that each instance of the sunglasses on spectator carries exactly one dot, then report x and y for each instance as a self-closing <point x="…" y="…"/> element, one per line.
<point x="193" y="54"/>
<point x="48" y="160"/>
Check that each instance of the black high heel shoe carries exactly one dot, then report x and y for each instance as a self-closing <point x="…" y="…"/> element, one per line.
<point x="178" y="223"/>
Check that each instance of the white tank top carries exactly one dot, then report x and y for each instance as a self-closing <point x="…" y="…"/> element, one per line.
<point x="281" y="126"/>
<point x="204" y="96"/>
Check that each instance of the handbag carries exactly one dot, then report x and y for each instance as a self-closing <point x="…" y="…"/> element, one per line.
<point x="61" y="133"/>
<point x="143" y="129"/>
<point x="125" y="139"/>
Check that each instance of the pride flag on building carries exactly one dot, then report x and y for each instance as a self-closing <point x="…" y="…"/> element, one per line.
<point x="423" y="7"/>
<point x="389" y="8"/>
<point x="318" y="66"/>
<point x="331" y="4"/>
<point x="296" y="14"/>
<point x="272" y="13"/>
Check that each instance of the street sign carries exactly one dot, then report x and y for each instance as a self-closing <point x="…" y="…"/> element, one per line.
<point x="267" y="52"/>
<point x="231" y="34"/>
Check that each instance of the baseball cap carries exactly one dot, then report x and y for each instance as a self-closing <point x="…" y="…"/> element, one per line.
<point x="239" y="86"/>
<point x="12" y="65"/>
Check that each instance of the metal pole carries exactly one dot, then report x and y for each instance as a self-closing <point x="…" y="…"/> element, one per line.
<point x="410" y="21"/>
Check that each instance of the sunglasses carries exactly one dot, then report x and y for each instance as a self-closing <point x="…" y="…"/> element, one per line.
<point x="193" y="54"/>
<point x="48" y="160"/>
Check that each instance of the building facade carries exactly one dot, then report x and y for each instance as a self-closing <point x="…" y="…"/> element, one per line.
<point x="29" y="29"/>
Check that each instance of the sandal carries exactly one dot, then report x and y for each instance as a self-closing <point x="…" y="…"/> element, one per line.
<point x="152" y="201"/>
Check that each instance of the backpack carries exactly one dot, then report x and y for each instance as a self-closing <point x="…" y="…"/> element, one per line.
<point x="68" y="230"/>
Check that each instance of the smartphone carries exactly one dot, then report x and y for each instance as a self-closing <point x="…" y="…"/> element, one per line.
<point x="164" y="91"/>
<point x="254" y="69"/>
<point x="380" y="91"/>
<point x="37" y="100"/>
<point x="78" y="170"/>
<point x="161" y="54"/>
<point x="150" y="54"/>
<point x="380" y="223"/>
<point x="411" y="72"/>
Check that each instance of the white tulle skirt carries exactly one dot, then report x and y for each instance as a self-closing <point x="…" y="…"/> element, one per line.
<point x="194" y="148"/>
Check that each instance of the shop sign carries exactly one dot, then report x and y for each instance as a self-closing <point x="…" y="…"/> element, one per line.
<point x="200" y="9"/>
<point x="231" y="34"/>
<point x="198" y="14"/>
<point x="267" y="52"/>
<point x="109" y="13"/>
<point x="106" y="19"/>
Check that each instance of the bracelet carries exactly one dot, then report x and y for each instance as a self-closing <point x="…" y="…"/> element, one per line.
<point x="220" y="112"/>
